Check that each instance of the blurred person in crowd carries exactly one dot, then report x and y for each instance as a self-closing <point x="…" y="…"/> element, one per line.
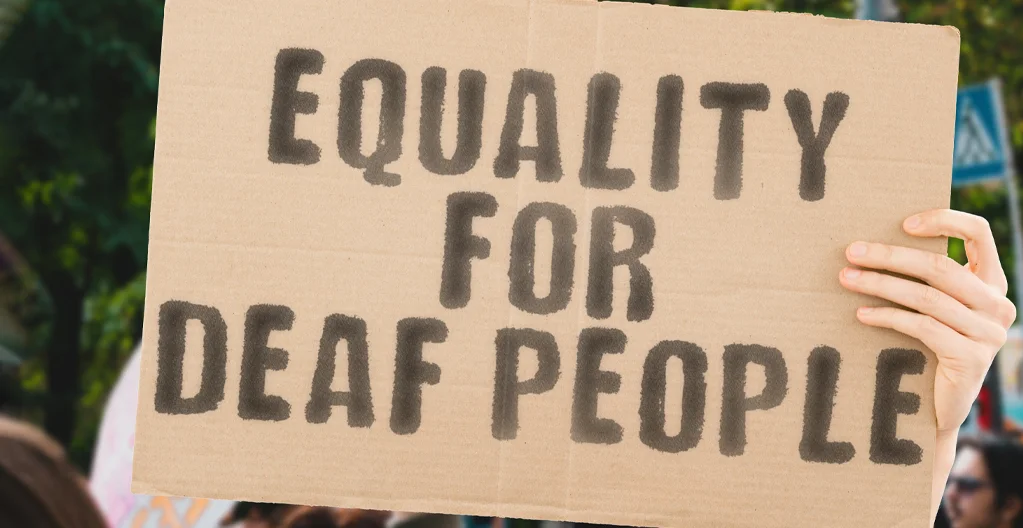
<point x="313" y="517"/>
<point x="985" y="486"/>
<point x="39" y="488"/>
<point x="268" y="515"/>
<point x="256" y="515"/>
<point x="424" y="520"/>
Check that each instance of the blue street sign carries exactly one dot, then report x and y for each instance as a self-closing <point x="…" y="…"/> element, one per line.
<point x="982" y="151"/>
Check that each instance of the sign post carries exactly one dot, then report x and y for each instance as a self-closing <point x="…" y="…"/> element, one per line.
<point x="983" y="153"/>
<point x="1017" y="233"/>
<point x="884" y="10"/>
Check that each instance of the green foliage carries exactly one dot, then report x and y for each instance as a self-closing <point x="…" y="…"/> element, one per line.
<point x="991" y="46"/>
<point x="10" y="14"/>
<point x="112" y="319"/>
<point x="833" y="8"/>
<point x="78" y="83"/>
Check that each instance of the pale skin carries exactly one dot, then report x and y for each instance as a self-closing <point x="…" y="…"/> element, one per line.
<point x="961" y="313"/>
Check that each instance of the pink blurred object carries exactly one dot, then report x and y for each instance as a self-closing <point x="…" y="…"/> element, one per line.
<point x="110" y="481"/>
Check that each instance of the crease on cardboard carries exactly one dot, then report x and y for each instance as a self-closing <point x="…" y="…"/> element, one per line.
<point x="501" y="472"/>
<point x="580" y="314"/>
<point x="297" y="249"/>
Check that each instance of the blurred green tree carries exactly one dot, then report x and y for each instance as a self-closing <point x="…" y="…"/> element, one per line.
<point x="78" y="84"/>
<point x="991" y="46"/>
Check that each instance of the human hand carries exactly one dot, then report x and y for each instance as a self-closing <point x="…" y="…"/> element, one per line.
<point x="961" y="313"/>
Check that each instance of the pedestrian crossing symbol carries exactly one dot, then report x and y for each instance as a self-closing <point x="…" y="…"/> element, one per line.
<point x="981" y="149"/>
<point x="973" y="143"/>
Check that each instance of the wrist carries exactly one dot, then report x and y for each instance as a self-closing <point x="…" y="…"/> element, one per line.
<point x="944" y="453"/>
<point x="944" y="457"/>
<point x="948" y="435"/>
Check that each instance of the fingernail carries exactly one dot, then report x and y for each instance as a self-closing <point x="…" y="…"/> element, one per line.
<point x="858" y="249"/>
<point x="851" y="273"/>
<point x="913" y="222"/>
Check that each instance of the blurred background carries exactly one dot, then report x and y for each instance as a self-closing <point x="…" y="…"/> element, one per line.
<point x="78" y="87"/>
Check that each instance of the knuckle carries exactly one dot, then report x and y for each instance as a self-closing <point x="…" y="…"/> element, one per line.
<point x="993" y="334"/>
<point x="927" y="324"/>
<point x="886" y="253"/>
<point x="872" y="280"/>
<point x="999" y="335"/>
<point x="1006" y="312"/>
<point x="941" y="265"/>
<point x="981" y="225"/>
<point x="929" y="296"/>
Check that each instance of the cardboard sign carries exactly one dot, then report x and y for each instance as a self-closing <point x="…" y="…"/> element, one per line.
<point x="546" y="259"/>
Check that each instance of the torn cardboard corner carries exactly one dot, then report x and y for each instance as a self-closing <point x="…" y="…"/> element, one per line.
<point x="551" y="260"/>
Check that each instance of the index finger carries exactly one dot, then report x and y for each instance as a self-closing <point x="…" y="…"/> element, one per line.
<point x="974" y="231"/>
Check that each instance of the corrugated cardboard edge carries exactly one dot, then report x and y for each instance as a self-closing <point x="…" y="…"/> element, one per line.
<point x="136" y="486"/>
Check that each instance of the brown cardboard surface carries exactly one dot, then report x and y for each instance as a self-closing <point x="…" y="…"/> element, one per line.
<point x="232" y="229"/>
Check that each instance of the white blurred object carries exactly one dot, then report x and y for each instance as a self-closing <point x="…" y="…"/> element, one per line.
<point x="110" y="481"/>
<point x="1010" y="370"/>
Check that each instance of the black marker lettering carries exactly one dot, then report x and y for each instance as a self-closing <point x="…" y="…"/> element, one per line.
<point x="601" y="112"/>
<point x="508" y="388"/>
<point x="170" y="351"/>
<point x="523" y="256"/>
<point x="590" y="381"/>
<point x="392" y="117"/>
<point x="735" y="403"/>
<point x="287" y="102"/>
<point x="667" y="134"/>
<point x="471" y="87"/>
<point x="257" y="358"/>
<point x="603" y="260"/>
<point x="358" y="399"/>
<point x="812" y="173"/>
<point x="821" y="385"/>
<point x="411" y="372"/>
<point x="460" y="245"/>
<point x="889" y="403"/>
<point x="547" y="153"/>
<point x="694" y="396"/>
<point x="733" y="100"/>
